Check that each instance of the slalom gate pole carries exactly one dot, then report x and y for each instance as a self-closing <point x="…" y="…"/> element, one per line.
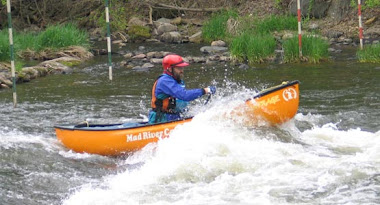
<point x="10" y="32"/>
<point x="299" y="28"/>
<point x="360" y="24"/>
<point x="108" y="41"/>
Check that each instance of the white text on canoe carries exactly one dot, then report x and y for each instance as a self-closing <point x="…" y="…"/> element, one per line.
<point x="148" y="135"/>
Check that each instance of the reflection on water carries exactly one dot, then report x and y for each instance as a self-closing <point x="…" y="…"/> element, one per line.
<point x="328" y="154"/>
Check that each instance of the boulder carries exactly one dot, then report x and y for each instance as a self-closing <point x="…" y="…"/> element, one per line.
<point x="333" y="34"/>
<point x="134" y="21"/>
<point x="4" y="86"/>
<point x="165" y="28"/>
<point x="176" y="21"/>
<point x="196" y="38"/>
<point x="373" y="31"/>
<point x="339" y="9"/>
<point x="218" y="43"/>
<point x="370" y="21"/>
<point x="4" y="80"/>
<point x="147" y="65"/>
<point x="139" y="56"/>
<point x="156" y="60"/>
<point x="171" y="37"/>
<point x="156" y="54"/>
<point x="56" y="67"/>
<point x="213" y="49"/>
<point x="30" y="71"/>
<point x="319" y="8"/>
<point x="163" y="20"/>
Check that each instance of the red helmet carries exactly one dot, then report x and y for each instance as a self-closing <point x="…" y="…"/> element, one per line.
<point x="173" y="60"/>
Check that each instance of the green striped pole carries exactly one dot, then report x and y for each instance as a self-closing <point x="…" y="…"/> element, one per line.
<point x="109" y="41"/>
<point x="11" y="53"/>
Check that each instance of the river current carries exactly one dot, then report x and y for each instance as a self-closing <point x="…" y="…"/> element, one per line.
<point x="328" y="154"/>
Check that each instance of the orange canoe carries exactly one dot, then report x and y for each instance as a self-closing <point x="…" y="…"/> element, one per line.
<point x="275" y="105"/>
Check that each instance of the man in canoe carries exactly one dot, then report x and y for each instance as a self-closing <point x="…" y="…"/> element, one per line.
<point x="169" y="95"/>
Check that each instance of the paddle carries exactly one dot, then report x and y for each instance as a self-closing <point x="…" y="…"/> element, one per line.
<point x="208" y="99"/>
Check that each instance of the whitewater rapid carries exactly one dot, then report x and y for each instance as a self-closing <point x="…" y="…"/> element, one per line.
<point x="210" y="161"/>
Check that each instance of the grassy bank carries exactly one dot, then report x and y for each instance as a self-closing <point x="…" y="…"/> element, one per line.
<point x="54" y="37"/>
<point x="370" y="54"/>
<point x="253" y="40"/>
<point x="314" y="49"/>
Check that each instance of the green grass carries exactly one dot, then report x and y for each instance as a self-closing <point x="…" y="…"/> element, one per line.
<point x="314" y="48"/>
<point x="276" y="23"/>
<point x="252" y="48"/>
<point x="54" y="37"/>
<point x="369" y="54"/>
<point x="216" y="27"/>
<point x="4" y="46"/>
<point x="61" y="36"/>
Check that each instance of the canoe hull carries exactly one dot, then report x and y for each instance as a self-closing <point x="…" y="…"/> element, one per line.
<point x="275" y="105"/>
<point x="113" y="141"/>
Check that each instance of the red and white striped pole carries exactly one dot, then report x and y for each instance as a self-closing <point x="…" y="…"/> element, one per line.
<point x="360" y="24"/>
<point x="299" y="28"/>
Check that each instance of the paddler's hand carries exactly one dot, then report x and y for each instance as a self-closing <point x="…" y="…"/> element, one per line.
<point x="210" y="90"/>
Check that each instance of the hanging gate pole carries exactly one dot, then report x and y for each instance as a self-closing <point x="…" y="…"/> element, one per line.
<point x="360" y="24"/>
<point x="10" y="32"/>
<point x="108" y="41"/>
<point x="299" y="28"/>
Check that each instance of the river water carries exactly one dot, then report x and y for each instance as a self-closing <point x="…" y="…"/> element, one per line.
<point x="328" y="154"/>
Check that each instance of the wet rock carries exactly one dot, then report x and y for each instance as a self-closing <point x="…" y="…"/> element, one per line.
<point x="213" y="49"/>
<point x="134" y="21"/>
<point x="218" y="43"/>
<point x="56" y="67"/>
<point x="171" y="37"/>
<point x="373" y="31"/>
<point x="140" y="68"/>
<point x="339" y="9"/>
<point x="313" y="26"/>
<point x="163" y="20"/>
<point x="31" y="72"/>
<point x="176" y="21"/>
<point x="4" y="80"/>
<point x="214" y="58"/>
<point x="200" y="59"/>
<point x="156" y="60"/>
<point x="165" y="28"/>
<point x="370" y="21"/>
<point x="153" y="40"/>
<point x="117" y="41"/>
<point x="287" y="35"/>
<point x="157" y="54"/>
<point x="319" y="8"/>
<point x="123" y="63"/>
<point x="128" y="55"/>
<point x="98" y="52"/>
<point x="225" y="58"/>
<point x="147" y="65"/>
<point x="243" y="67"/>
<point x="333" y="34"/>
<point x="196" y="22"/>
<point x="347" y="40"/>
<point x="210" y="62"/>
<point x="196" y="38"/>
<point x="139" y="56"/>
<point x="4" y="86"/>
